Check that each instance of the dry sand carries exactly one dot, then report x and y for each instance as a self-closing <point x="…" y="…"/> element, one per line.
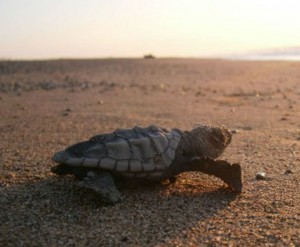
<point x="48" y="105"/>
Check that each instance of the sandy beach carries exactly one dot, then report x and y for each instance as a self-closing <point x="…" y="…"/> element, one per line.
<point x="47" y="105"/>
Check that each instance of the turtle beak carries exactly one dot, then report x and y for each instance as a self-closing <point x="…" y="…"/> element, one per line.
<point x="227" y="136"/>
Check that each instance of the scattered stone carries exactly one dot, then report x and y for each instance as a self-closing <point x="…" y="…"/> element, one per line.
<point x="185" y="89"/>
<point x="46" y="85"/>
<point x="85" y="86"/>
<point x="112" y="84"/>
<point x="288" y="171"/>
<point x="100" y="102"/>
<point x="66" y="112"/>
<point x="235" y="131"/>
<point x="124" y="239"/>
<point x="10" y="175"/>
<point x="260" y="176"/>
<point x="246" y="128"/>
<point x="199" y="93"/>
<point x="283" y="119"/>
<point x="161" y="86"/>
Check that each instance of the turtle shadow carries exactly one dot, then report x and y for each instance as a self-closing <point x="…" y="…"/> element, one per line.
<point x="52" y="210"/>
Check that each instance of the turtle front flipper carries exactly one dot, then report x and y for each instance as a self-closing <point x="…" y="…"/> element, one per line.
<point x="102" y="183"/>
<point x="231" y="174"/>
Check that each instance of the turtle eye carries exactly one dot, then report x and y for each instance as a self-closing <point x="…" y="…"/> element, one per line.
<point x="218" y="135"/>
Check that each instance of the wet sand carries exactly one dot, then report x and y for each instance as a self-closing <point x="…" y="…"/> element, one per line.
<point x="48" y="105"/>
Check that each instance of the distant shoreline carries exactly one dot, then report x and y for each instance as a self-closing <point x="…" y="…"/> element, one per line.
<point x="247" y="57"/>
<point x="265" y="58"/>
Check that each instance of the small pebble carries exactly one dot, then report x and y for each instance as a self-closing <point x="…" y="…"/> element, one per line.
<point x="10" y="175"/>
<point x="246" y="128"/>
<point x="260" y="175"/>
<point x="124" y="239"/>
<point x="235" y="131"/>
<point x="288" y="171"/>
<point x="66" y="112"/>
<point x="199" y="93"/>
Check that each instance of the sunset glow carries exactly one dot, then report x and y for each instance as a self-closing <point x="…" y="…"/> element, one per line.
<point x="131" y="28"/>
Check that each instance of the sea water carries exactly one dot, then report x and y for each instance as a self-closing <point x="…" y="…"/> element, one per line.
<point x="265" y="57"/>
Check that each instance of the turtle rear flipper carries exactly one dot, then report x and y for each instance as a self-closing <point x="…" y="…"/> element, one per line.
<point x="62" y="169"/>
<point x="102" y="183"/>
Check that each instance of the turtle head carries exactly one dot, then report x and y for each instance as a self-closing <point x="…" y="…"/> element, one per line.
<point x="208" y="141"/>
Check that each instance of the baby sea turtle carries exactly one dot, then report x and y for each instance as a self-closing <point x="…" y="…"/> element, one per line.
<point x="151" y="153"/>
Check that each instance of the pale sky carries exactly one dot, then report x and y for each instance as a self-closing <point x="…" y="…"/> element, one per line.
<point x="131" y="28"/>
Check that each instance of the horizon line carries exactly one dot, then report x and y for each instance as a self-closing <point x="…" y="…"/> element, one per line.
<point x="109" y="57"/>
